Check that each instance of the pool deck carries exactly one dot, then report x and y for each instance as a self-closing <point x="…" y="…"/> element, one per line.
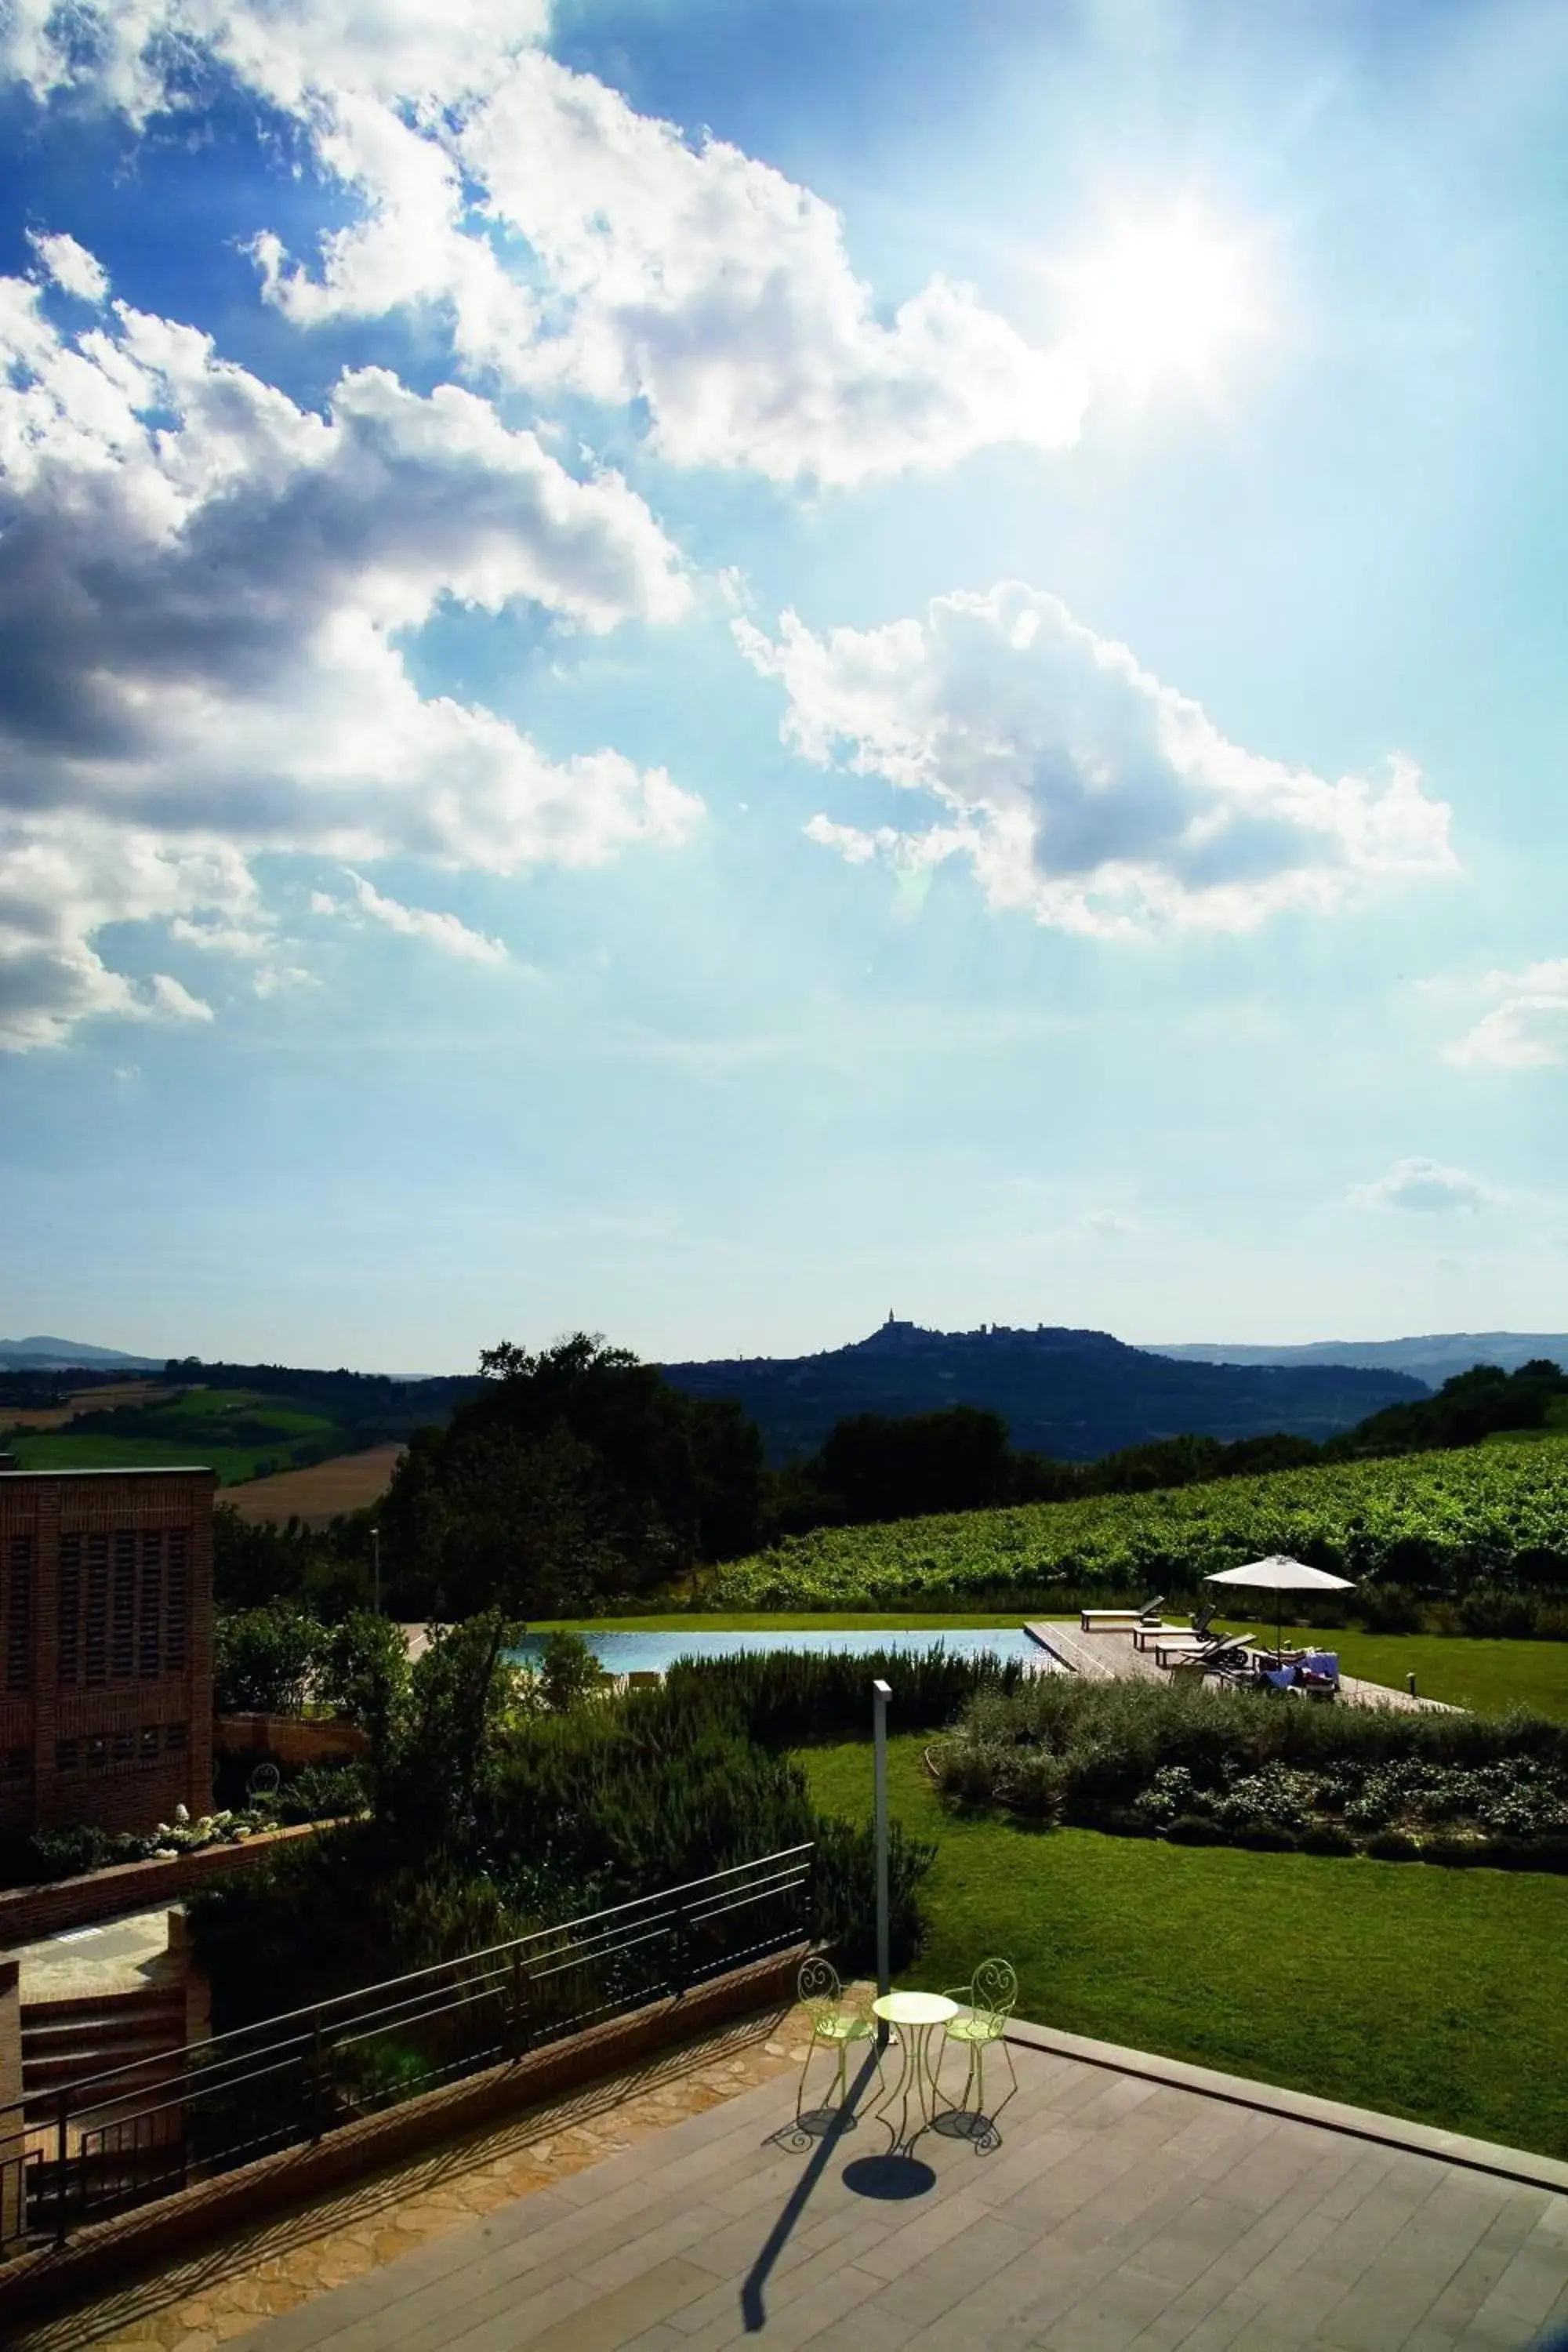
<point x="1104" y="1657"/>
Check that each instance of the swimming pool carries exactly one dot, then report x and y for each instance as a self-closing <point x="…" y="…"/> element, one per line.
<point x="641" y="1653"/>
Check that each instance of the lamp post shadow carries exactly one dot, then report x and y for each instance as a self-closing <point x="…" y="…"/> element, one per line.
<point x="890" y="2176"/>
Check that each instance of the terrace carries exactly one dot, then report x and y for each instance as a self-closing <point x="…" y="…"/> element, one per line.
<point x="1130" y="2202"/>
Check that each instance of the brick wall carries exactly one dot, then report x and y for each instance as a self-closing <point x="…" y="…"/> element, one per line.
<point x="106" y="1647"/>
<point x="289" y="1740"/>
<point x="27" y="1914"/>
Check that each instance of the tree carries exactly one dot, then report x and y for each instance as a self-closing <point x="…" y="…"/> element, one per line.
<point x="446" y="1743"/>
<point x="265" y="1661"/>
<point x="567" y="1478"/>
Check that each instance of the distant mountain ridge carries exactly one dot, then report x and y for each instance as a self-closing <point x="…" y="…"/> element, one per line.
<point x="1434" y="1359"/>
<point x="43" y="1354"/>
<point x="1071" y="1394"/>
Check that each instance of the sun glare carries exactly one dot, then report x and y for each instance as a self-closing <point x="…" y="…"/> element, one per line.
<point x="1163" y="298"/>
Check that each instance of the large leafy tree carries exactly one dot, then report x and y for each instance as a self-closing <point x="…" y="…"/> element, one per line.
<point x="568" y="1476"/>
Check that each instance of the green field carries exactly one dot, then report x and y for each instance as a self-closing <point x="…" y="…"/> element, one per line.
<point x="1434" y="1519"/>
<point x="1423" y="1992"/>
<point x="238" y="1432"/>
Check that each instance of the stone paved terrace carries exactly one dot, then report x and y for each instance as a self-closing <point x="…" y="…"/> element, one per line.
<point x="1112" y="1656"/>
<point x="1130" y="2203"/>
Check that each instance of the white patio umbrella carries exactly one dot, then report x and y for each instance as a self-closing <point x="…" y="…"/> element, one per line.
<point x="1280" y="1576"/>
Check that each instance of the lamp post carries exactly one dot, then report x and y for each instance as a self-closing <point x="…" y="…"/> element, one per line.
<point x="880" y="1694"/>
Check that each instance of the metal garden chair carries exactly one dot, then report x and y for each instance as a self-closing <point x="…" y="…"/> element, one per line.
<point x="987" y="2004"/>
<point x="835" y="2024"/>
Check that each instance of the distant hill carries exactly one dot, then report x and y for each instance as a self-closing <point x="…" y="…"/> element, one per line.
<point x="1434" y="1359"/>
<point x="45" y="1355"/>
<point x="1070" y="1394"/>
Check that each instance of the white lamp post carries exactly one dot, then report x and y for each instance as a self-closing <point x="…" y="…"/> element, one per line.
<point x="880" y="1694"/>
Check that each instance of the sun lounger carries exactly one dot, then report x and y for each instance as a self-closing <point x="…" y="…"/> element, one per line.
<point x="1230" y="1650"/>
<point x="1155" y="1630"/>
<point x="1117" y="1621"/>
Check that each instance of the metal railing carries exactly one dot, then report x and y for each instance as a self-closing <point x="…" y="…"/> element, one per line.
<point x="160" y="2123"/>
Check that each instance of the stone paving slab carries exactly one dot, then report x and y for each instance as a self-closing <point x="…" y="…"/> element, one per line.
<point x="1113" y="2213"/>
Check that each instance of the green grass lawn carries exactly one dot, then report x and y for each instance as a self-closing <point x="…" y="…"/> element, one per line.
<point x="1424" y="1992"/>
<point x="54" y="1450"/>
<point x="1491" y="1676"/>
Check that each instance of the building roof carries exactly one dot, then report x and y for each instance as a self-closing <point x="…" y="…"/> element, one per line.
<point x="136" y="1470"/>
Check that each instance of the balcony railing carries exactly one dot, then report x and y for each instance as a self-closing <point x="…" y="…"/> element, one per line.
<point x="160" y="2123"/>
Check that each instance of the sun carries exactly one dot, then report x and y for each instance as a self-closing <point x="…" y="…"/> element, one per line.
<point x="1162" y="298"/>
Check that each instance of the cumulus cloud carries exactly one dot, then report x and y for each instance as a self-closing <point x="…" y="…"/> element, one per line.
<point x="1080" y="788"/>
<point x="444" y="932"/>
<point x="1425" y="1186"/>
<point x="72" y="266"/>
<point x="62" y="881"/>
<point x="1527" y="1027"/>
<point x="689" y="278"/>
<point x="130" y="52"/>
<point x="202" y="610"/>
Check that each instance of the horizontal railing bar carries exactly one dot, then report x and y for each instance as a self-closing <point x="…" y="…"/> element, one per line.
<point x="331" y="2016"/>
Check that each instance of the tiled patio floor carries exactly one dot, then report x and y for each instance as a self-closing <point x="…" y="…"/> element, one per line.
<point x="1117" y="2213"/>
<point x="286" y="2260"/>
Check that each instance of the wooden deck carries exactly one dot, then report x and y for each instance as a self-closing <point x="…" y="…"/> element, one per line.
<point x="1112" y="1657"/>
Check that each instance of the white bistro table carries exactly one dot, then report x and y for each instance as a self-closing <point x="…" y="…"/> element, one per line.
<point x="916" y="2016"/>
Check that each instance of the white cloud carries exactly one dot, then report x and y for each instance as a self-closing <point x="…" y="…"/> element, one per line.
<point x="291" y="51"/>
<point x="1080" y="788"/>
<point x="201" y="615"/>
<point x="717" y="291"/>
<point x="1425" y="1186"/>
<point x="444" y="932"/>
<point x="72" y="266"/>
<point x="689" y="278"/>
<point x="63" y="879"/>
<point x="1527" y="1028"/>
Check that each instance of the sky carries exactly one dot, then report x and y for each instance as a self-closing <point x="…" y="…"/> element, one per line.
<point x="704" y="671"/>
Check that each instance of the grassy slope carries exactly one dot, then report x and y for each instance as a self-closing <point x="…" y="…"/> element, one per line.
<point x="49" y="1452"/>
<point x="1419" y="1992"/>
<point x="203" y="1417"/>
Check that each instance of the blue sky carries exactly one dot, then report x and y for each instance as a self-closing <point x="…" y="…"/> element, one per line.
<point x="699" y="671"/>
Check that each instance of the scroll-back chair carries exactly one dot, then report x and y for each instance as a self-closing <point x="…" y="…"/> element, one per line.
<point x="835" y="2024"/>
<point x="986" y="2005"/>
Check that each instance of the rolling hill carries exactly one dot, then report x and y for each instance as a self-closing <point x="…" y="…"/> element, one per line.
<point x="1070" y="1394"/>
<point x="1435" y="1358"/>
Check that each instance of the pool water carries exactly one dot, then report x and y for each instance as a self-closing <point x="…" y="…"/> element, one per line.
<point x="641" y="1653"/>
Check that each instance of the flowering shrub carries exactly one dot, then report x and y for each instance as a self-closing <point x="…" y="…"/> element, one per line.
<point x="1201" y="1766"/>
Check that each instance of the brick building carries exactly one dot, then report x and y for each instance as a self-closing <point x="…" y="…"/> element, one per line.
<point x="106" y="1646"/>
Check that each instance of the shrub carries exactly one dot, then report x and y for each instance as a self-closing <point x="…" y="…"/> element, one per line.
<point x="265" y="1661"/>
<point x="1245" y="1765"/>
<point x="1392" y="1845"/>
<point x="1326" y="1837"/>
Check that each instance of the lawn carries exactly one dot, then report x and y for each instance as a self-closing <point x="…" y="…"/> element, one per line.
<point x="1491" y="1676"/>
<point x="51" y="1451"/>
<point x="1424" y="1992"/>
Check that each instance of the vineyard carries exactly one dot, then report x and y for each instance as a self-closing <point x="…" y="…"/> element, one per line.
<point x="1442" y="1523"/>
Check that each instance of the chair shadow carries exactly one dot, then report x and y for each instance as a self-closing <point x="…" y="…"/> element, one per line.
<point x="841" y="2120"/>
<point x="982" y="2132"/>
